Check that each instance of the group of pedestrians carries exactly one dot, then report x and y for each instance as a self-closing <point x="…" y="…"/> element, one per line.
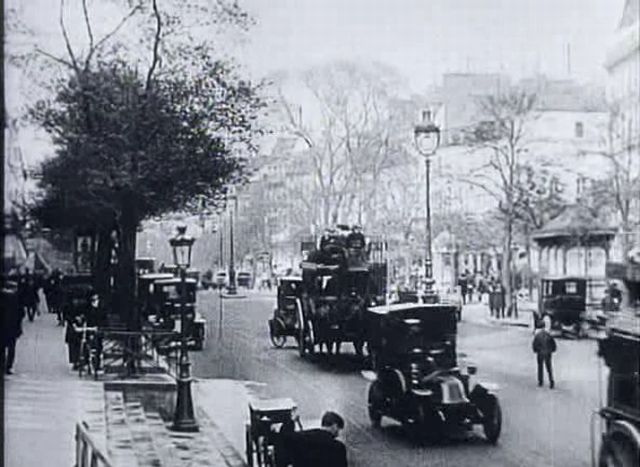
<point x="21" y="298"/>
<point x="21" y="292"/>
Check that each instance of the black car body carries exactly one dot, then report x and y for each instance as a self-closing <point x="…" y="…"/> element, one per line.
<point x="417" y="381"/>
<point x="563" y="299"/>
<point x="620" y="349"/>
<point x="167" y="297"/>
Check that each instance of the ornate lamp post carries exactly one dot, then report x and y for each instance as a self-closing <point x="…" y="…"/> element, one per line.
<point x="427" y="140"/>
<point x="183" y="418"/>
<point x="231" y="288"/>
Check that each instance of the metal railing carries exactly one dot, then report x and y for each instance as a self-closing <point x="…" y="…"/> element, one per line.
<point x="88" y="454"/>
<point x="132" y="349"/>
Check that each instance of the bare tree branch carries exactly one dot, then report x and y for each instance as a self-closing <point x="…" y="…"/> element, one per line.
<point x="62" y="61"/>
<point x="113" y="32"/>
<point x="156" y="44"/>
<point x="67" y="42"/>
<point x="87" y="22"/>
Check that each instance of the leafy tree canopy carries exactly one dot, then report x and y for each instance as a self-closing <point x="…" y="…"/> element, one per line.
<point x="159" y="147"/>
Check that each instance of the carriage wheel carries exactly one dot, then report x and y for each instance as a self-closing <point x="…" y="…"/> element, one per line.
<point x="311" y="341"/>
<point x="375" y="400"/>
<point x="302" y="341"/>
<point x="276" y="333"/>
<point x="248" y="445"/>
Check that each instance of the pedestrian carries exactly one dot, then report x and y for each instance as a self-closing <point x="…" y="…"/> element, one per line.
<point x="499" y="299"/>
<point x="480" y="287"/>
<point x="544" y="345"/>
<point x="12" y="316"/>
<point x="95" y="317"/>
<point x="53" y="294"/>
<point x="462" y="283"/>
<point x="493" y="311"/>
<point x="470" y="291"/>
<point x="28" y="294"/>
<point x="316" y="447"/>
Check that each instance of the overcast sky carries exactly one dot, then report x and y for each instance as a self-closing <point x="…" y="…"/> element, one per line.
<point x="422" y="39"/>
<point x="425" y="38"/>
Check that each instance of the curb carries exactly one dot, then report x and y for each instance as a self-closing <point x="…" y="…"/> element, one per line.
<point x="230" y="455"/>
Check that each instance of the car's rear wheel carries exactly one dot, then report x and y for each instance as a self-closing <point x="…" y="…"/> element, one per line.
<point x="375" y="400"/>
<point x="492" y="422"/>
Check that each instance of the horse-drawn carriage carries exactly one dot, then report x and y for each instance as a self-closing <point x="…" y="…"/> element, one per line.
<point x="325" y="307"/>
<point x="287" y="312"/>
<point x="416" y="378"/>
<point x="333" y="304"/>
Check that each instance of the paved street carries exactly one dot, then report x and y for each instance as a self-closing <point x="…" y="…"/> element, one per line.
<point x="541" y="426"/>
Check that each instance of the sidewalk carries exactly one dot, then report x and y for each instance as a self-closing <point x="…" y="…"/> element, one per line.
<point x="44" y="399"/>
<point x="479" y="313"/>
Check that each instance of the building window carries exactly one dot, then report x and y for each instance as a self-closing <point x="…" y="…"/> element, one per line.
<point x="579" y="130"/>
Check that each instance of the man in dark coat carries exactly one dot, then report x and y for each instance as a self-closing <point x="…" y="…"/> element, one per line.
<point x="12" y="315"/>
<point x="53" y="294"/>
<point x="544" y="345"/>
<point x="462" y="283"/>
<point x="28" y="294"/>
<point x="317" y="447"/>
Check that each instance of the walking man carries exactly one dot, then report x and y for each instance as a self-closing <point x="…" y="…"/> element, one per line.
<point x="544" y="345"/>
<point x="12" y="315"/>
<point x="28" y="294"/>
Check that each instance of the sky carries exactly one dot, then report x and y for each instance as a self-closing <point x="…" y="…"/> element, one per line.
<point x="425" y="38"/>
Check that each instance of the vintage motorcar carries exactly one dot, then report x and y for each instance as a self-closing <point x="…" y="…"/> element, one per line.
<point x="416" y="380"/>
<point x="620" y="349"/>
<point x="244" y="279"/>
<point x="563" y="299"/>
<point x="168" y="305"/>
<point x="285" y="316"/>
<point x="76" y="290"/>
<point x="145" y="292"/>
<point x="145" y="265"/>
<point x="221" y="279"/>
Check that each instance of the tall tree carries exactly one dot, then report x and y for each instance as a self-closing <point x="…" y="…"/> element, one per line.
<point x="136" y="139"/>
<point x="619" y="190"/>
<point x="351" y="131"/>
<point x="503" y="135"/>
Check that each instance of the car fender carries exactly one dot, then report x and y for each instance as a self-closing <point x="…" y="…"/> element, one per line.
<point x="489" y="386"/>
<point x="626" y="429"/>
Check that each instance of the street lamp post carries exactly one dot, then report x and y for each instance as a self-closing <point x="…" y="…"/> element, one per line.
<point x="183" y="418"/>
<point x="427" y="140"/>
<point x="231" y="288"/>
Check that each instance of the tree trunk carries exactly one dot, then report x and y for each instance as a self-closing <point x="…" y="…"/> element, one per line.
<point x="103" y="266"/>
<point x="529" y="269"/>
<point x="127" y="278"/>
<point x="507" y="275"/>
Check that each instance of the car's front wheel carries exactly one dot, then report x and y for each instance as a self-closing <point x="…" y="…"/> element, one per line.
<point x="492" y="422"/>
